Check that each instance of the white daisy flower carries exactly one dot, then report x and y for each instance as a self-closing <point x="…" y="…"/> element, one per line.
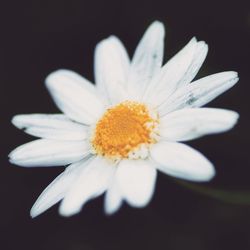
<point x="115" y="135"/>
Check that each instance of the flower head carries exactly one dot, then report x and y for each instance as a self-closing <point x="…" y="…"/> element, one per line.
<point x="115" y="135"/>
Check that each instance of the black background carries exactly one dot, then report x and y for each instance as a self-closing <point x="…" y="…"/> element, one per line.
<point x="38" y="37"/>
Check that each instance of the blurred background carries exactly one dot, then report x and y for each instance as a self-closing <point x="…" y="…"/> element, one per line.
<point x="38" y="37"/>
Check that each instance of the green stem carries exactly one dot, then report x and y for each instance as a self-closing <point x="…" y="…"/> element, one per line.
<point x="232" y="196"/>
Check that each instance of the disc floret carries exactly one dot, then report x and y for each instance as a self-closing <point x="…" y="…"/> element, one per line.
<point x="125" y="131"/>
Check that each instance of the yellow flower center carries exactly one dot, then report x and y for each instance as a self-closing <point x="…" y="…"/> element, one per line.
<point x="125" y="131"/>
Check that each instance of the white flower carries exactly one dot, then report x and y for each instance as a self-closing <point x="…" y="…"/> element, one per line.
<point x="116" y="134"/>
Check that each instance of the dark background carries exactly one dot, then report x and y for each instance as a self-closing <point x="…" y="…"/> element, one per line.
<point x="38" y="37"/>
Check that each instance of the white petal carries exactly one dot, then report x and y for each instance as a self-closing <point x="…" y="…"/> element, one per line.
<point x="147" y="59"/>
<point x="198" y="59"/>
<point x="113" y="198"/>
<point x="92" y="182"/>
<point x="75" y="96"/>
<point x="57" y="127"/>
<point x="136" y="180"/>
<point x="199" y="92"/>
<point x="45" y="152"/>
<point x="57" y="189"/>
<point x="188" y="124"/>
<point x="181" y="161"/>
<point x="171" y="75"/>
<point x="111" y="69"/>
